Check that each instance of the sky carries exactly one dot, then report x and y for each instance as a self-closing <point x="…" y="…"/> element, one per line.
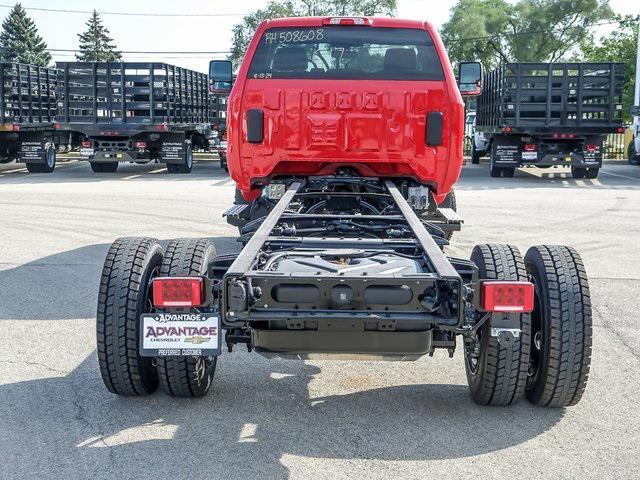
<point x="194" y="32"/>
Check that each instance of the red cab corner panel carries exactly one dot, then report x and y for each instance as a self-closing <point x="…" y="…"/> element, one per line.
<point x="506" y="296"/>
<point x="178" y="292"/>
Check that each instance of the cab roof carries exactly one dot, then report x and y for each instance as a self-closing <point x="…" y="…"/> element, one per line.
<point x="373" y="22"/>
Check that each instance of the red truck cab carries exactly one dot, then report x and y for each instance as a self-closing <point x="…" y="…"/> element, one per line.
<point x="315" y="94"/>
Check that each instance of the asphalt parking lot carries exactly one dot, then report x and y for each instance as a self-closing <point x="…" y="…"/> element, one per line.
<point x="272" y="419"/>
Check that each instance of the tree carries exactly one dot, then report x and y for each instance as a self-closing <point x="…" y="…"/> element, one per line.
<point x="619" y="46"/>
<point x="95" y="43"/>
<point x="497" y="31"/>
<point x="19" y="40"/>
<point x="243" y="31"/>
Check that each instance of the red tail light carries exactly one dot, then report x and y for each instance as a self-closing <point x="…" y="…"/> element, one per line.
<point x="506" y="296"/>
<point x="620" y="130"/>
<point x="529" y="147"/>
<point x="177" y="292"/>
<point x="591" y="147"/>
<point x="141" y="145"/>
<point x="506" y="129"/>
<point x="86" y="144"/>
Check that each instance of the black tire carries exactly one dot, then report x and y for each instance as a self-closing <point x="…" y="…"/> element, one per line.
<point x="186" y="376"/>
<point x="561" y="327"/>
<point x="592" y="172"/>
<point x="498" y="376"/>
<point x="123" y="296"/>
<point x="187" y="165"/>
<point x="104" y="167"/>
<point x="508" y="172"/>
<point x="475" y="154"/>
<point x="50" y="161"/>
<point x="223" y="163"/>
<point x="578" y="172"/>
<point x="632" y="156"/>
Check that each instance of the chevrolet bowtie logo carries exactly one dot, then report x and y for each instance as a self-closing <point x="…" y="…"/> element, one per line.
<point x="197" y="340"/>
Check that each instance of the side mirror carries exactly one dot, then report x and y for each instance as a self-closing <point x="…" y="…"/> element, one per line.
<point x="635" y="111"/>
<point x="220" y="76"/>
<point x="470" y="78"/>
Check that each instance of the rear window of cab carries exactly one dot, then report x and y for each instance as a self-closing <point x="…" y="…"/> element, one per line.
<point x="346" y="52"/>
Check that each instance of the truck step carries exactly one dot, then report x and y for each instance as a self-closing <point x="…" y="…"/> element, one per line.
<point x="449" y="215"/>
<point x="234" y="214"/>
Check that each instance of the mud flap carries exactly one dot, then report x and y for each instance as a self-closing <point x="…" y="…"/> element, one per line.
<point x="506" y="151"/>
<point x="173" y="148"/>
<point x="32" y="148"/>
<point x="593" y="156"/>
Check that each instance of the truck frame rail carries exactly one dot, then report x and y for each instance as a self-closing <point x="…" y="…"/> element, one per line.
<point x="348" y="254"/>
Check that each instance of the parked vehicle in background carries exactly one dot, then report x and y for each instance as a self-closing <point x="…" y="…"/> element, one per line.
<point x="222" y="153"/>
<point x="28" y="127"/>
<point x="548" y="114"/>
<point x="135" y="112"/>
<point x="633" y="150"/>
<point x="345" y="141"/>
<point x="469" y="124"/>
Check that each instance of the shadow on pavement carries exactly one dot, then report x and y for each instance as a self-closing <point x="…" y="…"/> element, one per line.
<point x="258" y="411"/>
<point x="63" y="285"/>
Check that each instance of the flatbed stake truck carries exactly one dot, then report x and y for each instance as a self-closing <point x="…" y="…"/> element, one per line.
<point x="28" y="125"/>
<point x="548" y="115"/>
<point x="135" y="112"/>
<point x="345" y="138"/>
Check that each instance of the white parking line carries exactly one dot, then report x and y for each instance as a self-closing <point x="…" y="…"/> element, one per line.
<point x="621" y="176"/>
<point x="158" y="170"/>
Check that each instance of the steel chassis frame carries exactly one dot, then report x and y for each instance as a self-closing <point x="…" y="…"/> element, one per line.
<point x="452" y="276"/>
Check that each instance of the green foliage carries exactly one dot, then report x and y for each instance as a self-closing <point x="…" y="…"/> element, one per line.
<point x="619" y="46"/>
<point x="496" y="31"/>
<point x="243" y="31"/>
<point x="95" y="43"/>
<point x="19" y="40"/>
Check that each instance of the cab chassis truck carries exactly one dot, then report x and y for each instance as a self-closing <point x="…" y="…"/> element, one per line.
<point x="548" y="115"/>
<point x="28" y="126"/>
<point x="347" y="262"/>
<point x="135" y="112"/>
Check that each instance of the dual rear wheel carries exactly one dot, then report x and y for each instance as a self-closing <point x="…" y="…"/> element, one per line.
<point x="544" y="355"/>
<point x="548" y="359"/>
<point x="124" y="294"/>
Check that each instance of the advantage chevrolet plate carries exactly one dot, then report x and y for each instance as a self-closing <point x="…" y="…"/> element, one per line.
<point x="179" y="334"/>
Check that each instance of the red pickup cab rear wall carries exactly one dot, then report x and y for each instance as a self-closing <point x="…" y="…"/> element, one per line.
<point x="313" y="126"/>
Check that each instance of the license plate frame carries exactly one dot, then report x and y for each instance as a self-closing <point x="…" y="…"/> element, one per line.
<point x="180" y="335"/>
